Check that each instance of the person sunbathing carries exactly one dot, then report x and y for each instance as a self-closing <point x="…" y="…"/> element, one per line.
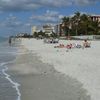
<point x="69" y="46"/>
<point x="59" y="46"/>
<point x="86" y="44"/>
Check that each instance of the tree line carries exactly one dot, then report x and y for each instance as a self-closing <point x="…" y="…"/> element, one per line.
<point x="80" y="24"/>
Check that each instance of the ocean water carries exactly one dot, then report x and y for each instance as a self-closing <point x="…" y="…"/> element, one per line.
<point x="9" y="89"/>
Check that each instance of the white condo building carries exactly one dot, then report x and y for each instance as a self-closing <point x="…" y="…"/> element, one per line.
<point x="33" y="30"/>
<point x="48" y="29"/>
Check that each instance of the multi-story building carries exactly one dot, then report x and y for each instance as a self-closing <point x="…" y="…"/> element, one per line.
<point x="33" y="30"/>
<point x="60" y="29"/>
<point x="48" y="29"/>
<point x="95" y="18"/>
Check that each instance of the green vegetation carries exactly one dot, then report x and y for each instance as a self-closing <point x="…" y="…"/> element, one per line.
<point x="44" y="35"/>
<point x="39" y="34"/>
<point x="80" y="24"/>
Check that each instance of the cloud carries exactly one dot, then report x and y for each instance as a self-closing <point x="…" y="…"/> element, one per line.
<point x="11" y="22"/>
<point x="18" y="5"/>
<point x="85" y="2"/>
<point x="13" y="25"/>
<point x="55" y="3"/>
<point x="27" y="5"/>
<point x="1" y="12"/>
<point x="48" y="17"/>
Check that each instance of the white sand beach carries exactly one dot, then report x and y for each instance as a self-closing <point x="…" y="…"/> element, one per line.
<point x="40" y="81"/>
<point x="81" y="64"/>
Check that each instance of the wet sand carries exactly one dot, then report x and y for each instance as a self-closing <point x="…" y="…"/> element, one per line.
<point x="40" y="81"/>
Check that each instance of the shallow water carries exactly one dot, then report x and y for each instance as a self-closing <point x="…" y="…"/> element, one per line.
<point x="7" y="55"/>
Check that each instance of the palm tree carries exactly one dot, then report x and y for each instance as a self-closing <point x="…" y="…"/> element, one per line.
<point x="77" y="19"/>
<point x="80" y="23"/>
<point x="95" y="27"/>
<point x="65" y="25"/>
<point x="85" y="22"/>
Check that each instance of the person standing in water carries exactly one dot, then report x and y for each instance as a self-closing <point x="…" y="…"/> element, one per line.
<point x="9" y="40"/>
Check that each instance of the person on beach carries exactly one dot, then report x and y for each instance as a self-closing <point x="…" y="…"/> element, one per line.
<point x="69" y="46"/>
<point x="59" y="46"/>
<point x="9" y="41"/>
<point x="86" y="44"/>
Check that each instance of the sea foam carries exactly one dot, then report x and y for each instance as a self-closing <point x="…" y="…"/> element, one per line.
<point x="8" y="77"/>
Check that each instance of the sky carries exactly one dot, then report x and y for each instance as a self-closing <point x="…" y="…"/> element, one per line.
<point x="20" y="15"/>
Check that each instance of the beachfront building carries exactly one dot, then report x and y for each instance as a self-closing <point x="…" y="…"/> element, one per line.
<point x="95" y="17"/>
<point x="48" y="29"/>
<point x="33" y="30"/>
<point x="59" y="29"/>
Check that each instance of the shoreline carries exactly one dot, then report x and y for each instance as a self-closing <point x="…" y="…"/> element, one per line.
<point x="80" y="64"/>
<point x="42" y="82"/>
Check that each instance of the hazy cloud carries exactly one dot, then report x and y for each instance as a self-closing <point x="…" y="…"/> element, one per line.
<point x="48" y="17"/>
<point x="10" y="25"/>
<point x="85" y="2"/>
<point x="11" y="22"/>
<point x="26" y="5"/>
<point x="17" y="5"/>
<point x="14" y="25"/>
<point x="55" y="3"/>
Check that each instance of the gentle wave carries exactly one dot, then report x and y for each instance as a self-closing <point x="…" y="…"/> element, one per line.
<point x="14" y="53"/>
<point x="8" y="77"/>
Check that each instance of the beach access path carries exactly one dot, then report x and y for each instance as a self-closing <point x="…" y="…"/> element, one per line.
<point x="81" y="64"/>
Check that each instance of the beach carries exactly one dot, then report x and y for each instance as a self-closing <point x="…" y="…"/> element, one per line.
<point x="48" y="73"/>
<point x="49" y="50"/>
<point x="41" y="81"/>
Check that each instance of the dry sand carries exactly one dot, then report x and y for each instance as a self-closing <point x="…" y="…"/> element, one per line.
<point x="80" y="64"/>
<point x="40" y="81"/>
